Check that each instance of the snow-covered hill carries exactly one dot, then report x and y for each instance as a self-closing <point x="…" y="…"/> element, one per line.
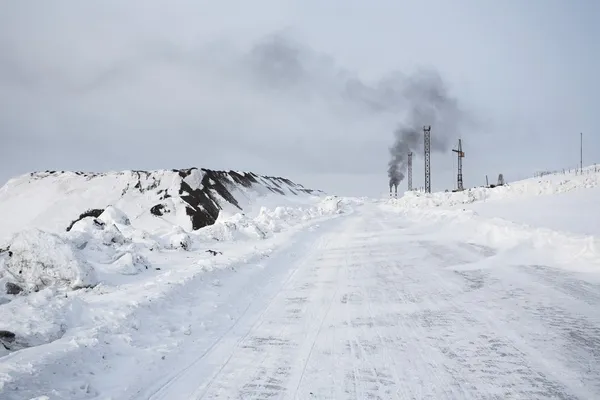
<point x="75" y="229"/>
<point x="153" y="200"/>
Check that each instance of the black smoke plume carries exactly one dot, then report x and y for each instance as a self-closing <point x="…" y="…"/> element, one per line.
<point x="427" y="103"/>
<point x="278" y="62"/>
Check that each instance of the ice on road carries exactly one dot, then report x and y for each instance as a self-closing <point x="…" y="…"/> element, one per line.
<point x="371" y="306"/>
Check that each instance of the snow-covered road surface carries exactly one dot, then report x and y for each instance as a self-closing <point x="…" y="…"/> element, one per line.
<point x="372" y="306"/>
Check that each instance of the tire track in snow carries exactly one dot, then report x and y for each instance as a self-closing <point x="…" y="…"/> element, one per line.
<point x="185" y="379"/>
<point x="268" y="378"/>
<point x="381" y="377"/>
<point x="451" y="292"/>
<point x="336" y="256"/>
<point x="376" y="313"/>
<point x="272" y="375"/>
<point x="532" y="357"/>
<point x="314" y="338"/>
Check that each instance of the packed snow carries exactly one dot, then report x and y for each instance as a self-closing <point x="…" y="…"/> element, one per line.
<point x="487" y="293"/>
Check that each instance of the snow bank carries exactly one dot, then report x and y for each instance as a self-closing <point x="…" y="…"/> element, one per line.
<point x="573" y="212"/>
<point x="273" y="220"/>
<point x="38" y="259"/>
<point x="36" y="319"/>
<point x="456" y="213"/>
<point x="96" y="249"/>
<point x="236" y="227"/>
<point x="578" y="252"/>
<point x="546" y="185"/>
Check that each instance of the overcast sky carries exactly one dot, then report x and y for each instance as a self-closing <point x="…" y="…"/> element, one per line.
<point x="303" y="89"/>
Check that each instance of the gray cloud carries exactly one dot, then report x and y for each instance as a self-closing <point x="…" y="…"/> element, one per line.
<point x="280" y="63"/>
<point x="418" y="99"/>
<point x="139" y="84"/>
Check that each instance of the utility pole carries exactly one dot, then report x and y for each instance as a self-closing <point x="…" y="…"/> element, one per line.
<point x="427" y="138"/>
<point x="581" y="152"/>
<point x="459" y="176"/>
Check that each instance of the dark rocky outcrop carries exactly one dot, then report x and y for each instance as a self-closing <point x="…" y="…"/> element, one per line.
<point x="95" y="213"/>
<point x="12" y="288"/>
<point x="159" y="210"/>
<point x="203" y="205"/>
<point x="7" y="337"/>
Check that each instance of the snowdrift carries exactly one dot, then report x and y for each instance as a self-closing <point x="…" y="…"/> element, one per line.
<point x="571" y="251"/>
<point x="458" y="215"/>
<point x="545" y="185"/>
<point x="36" y="259"/>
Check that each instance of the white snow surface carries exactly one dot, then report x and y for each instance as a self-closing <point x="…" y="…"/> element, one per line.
<point x="546" y="185"/>
<point x="492" y="295"/>
<point x="51" y="200"/>
<point x="40" y="259"/>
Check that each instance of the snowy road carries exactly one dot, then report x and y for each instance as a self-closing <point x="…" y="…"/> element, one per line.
<point x="368" y="308"/>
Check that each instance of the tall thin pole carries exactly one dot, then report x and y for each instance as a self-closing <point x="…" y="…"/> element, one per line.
<point x="459" y="176"/>
<point x="410" y="171"/>
<point x="427" y="145"/>
<point x="581" y="153"/>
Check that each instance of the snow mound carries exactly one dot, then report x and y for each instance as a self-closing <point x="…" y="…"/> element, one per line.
<point x="176" y="239"/>
<point x="272" y="220"/>
<point x="38" y="259"/>
<point x="130" y="263"/>
<point x="88" y="229"/>
<point x="114" y="216"/>
<point x="236" y="227"/>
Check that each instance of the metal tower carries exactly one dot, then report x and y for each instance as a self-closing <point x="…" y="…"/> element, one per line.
<point x="409" y="173"/>
<point x="427" y="136"/>
<point x="459" y="176"/>
<point x="501" y="180"/>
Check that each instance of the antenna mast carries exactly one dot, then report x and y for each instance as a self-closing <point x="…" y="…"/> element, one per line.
<point x="427" y="138"/>
<point x="459" y="176"/>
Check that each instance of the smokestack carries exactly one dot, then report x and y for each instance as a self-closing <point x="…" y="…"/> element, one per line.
<point x="428" y="103"/>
